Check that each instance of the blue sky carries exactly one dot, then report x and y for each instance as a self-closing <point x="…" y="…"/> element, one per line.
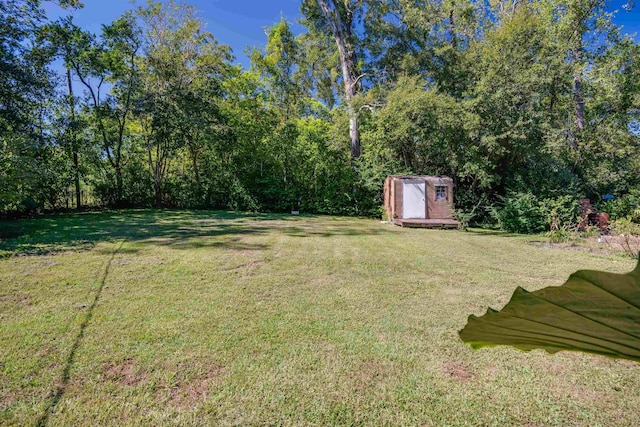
<point x="241" y="23"/>
<point x="237" y="23"/>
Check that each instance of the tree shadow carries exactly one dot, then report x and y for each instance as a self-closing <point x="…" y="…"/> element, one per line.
<point x="331" y="231"/>
<point x="66" y="372"/>
<point x="497" y="233"/>
<point x="171" y="228"/>
<point x="82" y="231"/>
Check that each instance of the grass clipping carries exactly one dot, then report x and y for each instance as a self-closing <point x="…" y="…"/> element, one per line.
<point x="593" y="312"/>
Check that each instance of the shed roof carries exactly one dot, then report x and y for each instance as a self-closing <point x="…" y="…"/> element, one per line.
<point x="425" y="177"/>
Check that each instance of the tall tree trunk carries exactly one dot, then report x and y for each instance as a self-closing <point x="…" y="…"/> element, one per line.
<point x="119" y="185"/>
<point x="576" y="63"/>
<point x="553" y="98"/>
<point x="452" y="27"/>
<point x="191" y="145"/>
<point x="74" y="140"/>
<point x="577" y="87"/>
<point x="346" y="51"/>
<point x="118" y="167"/>
<point x="354" y="132"/>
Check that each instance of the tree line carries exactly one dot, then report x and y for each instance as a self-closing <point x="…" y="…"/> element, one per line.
<point x="540" y="97"/>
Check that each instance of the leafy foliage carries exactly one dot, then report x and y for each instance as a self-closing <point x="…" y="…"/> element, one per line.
<point x="627" y="205"/>
<point x="519" y="103"/>
<point x="627" y="235"/>
<point x="521" y="213"/>
<point x="525" y="213"/>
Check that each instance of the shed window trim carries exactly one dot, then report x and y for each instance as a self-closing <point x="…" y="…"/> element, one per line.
<point x="441" y="192"/>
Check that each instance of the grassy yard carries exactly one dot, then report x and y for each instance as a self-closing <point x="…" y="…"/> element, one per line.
<point x="191" y="318"/>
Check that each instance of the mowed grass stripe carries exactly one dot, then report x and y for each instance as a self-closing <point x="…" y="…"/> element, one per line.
<point x="229" y="319"/>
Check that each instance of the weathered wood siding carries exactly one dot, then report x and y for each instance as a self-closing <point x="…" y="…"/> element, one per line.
<point x="439" y="208"/>
<point x="436" y="209"/>
<point x="397" y="198"/>
<point x="388" y="198"/>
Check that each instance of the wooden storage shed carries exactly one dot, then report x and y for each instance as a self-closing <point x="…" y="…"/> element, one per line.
<point x="420" y="201"/>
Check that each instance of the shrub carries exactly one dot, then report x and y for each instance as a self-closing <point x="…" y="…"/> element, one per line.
<point x="525" y="213"/>
<point x="561" y="212"/>
<point x="562" y="218"/>
<point x="561" y="235"/>
<point x="624" y="206"/>
<point x="464" y="218"/>
<point x="520" y="213"/>
<point x="627" y="235"/>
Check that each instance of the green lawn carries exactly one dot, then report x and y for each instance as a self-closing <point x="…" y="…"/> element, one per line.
<point x="175" y="317"/>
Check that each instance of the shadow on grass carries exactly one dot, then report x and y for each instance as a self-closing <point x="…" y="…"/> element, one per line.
<point x="490" y="232"/>
<point x="329" y="230"/>
<point x="66" y="372"/>
<point x="177" y="229"/>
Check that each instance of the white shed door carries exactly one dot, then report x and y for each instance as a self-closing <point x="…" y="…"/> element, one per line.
<point x="413" y="199"/>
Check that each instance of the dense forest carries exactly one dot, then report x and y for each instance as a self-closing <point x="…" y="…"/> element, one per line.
<point x="520" y="102"/>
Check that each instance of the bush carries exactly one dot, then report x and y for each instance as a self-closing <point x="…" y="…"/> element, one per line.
<point x="561" y="212"/>
<point x="562" y="218"/>
<point x="561" y="235"/>
<point x="520" y="213"/>
<point x="624" y="206"/>
<point x="525" y="213"/>
<point x="627" y="234"/>
<point x="624" y="226"/>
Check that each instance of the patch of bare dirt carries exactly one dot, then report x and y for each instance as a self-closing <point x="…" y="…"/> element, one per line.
<point x="369" y="372"/>
<point x="22" y="300"/>
<point x="456" y="370"/>
<point x="491" y="370"/>
<point x="6" y="400"/>
<point x="625" y="243"/>
<point x="124" y="373"/>
<point x="187" y="393"/>
<point x="580" y="393"/>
